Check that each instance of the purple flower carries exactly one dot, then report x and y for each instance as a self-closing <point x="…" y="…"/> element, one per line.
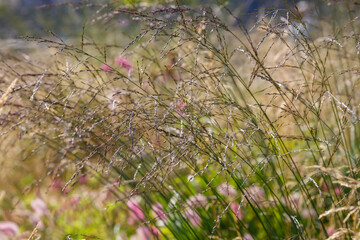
<point x="9" y="228"/>
<point x="123" y="62"/>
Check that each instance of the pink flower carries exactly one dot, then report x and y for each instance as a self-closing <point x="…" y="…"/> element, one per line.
<point x="256" y="194"/>
<point x="180" y="108"/>
<point x="9" y="228"/>
<point x="75" y="200"/>
<point x="235" y="207"/>
<point x="34" y="219"/>
<point x="136" y="212"/>
<point x="156" y="232"/>
<point x="193" y="217"/>
<point x="248" y="237"/>
<point x="56" y="184"/>
<point x="106" y="68"/>
<point x="337" y="191"/>
<point x="142" y="233"/>
<point x="145" y="233"/>
<point x="331" y="231"/>
<point x="197" y="200"/>
<point x="159" y="211"/>
<point x="39" y="207"/>
<point x="123" y="62"/>
<point x="82" y="179"/>
<point x="227" y="190"/>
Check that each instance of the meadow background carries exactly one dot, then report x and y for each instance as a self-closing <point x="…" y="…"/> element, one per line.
<point x="131" y="119"/>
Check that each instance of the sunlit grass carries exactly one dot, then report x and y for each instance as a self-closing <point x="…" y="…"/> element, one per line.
<point x="199" y="127"/>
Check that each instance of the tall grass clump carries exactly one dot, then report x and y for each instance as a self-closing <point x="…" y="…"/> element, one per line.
<point x="199" y="124"/>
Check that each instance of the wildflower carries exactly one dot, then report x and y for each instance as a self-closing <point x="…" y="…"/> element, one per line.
<point x="193" y="217"/>
<point x="247" y="236"/>
<point x="10" y="229"/>
<point x="35" y="220"/>
<point x="39" y="207"/>
<point x="180" y="107"/>
<point x="330" y="231"/>
<point x="155" y="231"/>
<point x="145" y="233"/>
<point x="198" y="200"/>
<point x="106" y="68"/>
<point x="235" y="207"/>
<point x="159" y="211"/>
<point x="125" y="63"/>
<point x="142" y="233"/>
<point x="337" y="191"/>
<point x="56" y="184"/>
<point x="227" y="190"/>
<point x="136" y="212"/>
<point x="75" y="200"/>
<point x="82" y="179"/>
<point x="256" y="194"/>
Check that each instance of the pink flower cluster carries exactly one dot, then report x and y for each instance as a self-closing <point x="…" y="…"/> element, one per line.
<point x="40" y="209"/>
<point x="145" y="233"/>
<point x="125" y="63"/>
<point x="8" y="229"/>
<point x="122" y="62"/>
<point x="136" y="213"/>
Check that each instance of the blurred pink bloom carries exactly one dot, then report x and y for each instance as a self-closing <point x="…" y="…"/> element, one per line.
<point x="180" y="108"/>
<point x="66" y="190"/>
<point x="136" y="212"/>
<point x="123" y="62"/>
<point x="197" y="200"/>
<point x="308" y="213"/>
<point x="256" y="194"/>
<point x="337" y="191"/>
<point x="56" y="184"/>
<point x="39" y="207"/>
<point x="83" y="179"/>
<point x="235" y="207"/>
<point x="155" y="231"/>
<point x="142" y="233"/>
<point x="247" y="237"/>
<point x="75" y="200"/>
<point x="106" y="68"/>
<point x="324" y="187"/>
<point x="227" y="190"/>
<point x="34" y="219"/>
<point x="159" y="211"/>
<point x="330" y="231"/>
<point x="9" y="228"/>
<point x="193" y="217"/>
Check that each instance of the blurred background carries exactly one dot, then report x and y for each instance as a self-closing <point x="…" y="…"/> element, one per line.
<point x="36" y="17"/>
